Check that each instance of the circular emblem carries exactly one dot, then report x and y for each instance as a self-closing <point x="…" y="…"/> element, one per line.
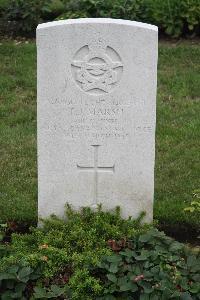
<point x="97" y="68"/>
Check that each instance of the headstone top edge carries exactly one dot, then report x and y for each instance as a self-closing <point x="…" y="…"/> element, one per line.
<point x="96" y="21"/>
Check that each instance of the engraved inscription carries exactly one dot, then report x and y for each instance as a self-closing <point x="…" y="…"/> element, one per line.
<point x="97" y="68"/>
<point x="96" y="169"/>
<point x="99" y="119"/>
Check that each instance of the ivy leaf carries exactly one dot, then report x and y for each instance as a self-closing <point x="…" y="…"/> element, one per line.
<point x="145" y="238"/>
<point x="39" y="292"/>
<point x="137" y="270"/>
<point x="58" y="291"/>
<point x="146" y="286"/>
<point x="20" y="287"/>
<point x="195" y="288"/>
<point x="13" y="269"/>
<point x="141" y="257"/>
<point x="186" y="296"/>
<point x="196" y="277"/>
<point x="112" y="278"/>
<point x="166" y="293"/>
<point x="114" y="258"/>
<point x="112" y="288"/>
<point x="128" y="286"/>
<point x="134" y="287"/>
<point x="175" y="246"/>
<point x="6" y="276"/>
<point x="122" y="280"/>
<point x="129" y="253"/>
<point x="50" y="295"/>
<point x="113" y="268"/>
<point x="23" y="274"/>
<point x="7" y="295"/>
<point x="191" y="260"/>
<point x="176" y="294"/>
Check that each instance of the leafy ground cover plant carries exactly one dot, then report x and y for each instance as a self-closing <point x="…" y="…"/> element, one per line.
<point x="61" y="254"/>
<point x="97" y="255"/>
<point x="151" y="266"/>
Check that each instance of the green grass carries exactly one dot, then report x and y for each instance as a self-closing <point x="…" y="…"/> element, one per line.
<point x="178" y="133"/>
<point x="18" y="174"/>
<point x="177" y="137"/>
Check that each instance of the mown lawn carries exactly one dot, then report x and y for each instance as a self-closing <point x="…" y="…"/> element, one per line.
<point x="177" y="137"/>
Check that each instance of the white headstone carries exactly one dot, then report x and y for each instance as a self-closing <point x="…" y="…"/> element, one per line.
<point x="96" y="115"/>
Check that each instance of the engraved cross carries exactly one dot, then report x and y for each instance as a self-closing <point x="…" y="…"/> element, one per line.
<point x="96" y="169"/>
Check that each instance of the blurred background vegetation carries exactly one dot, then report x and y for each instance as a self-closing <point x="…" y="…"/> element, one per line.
<point x="175" y="18"/>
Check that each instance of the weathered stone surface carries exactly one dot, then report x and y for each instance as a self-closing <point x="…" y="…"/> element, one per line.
<point x="96" y="115"/>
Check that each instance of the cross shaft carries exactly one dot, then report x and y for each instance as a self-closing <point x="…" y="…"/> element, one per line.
<point x="96" y="169"/>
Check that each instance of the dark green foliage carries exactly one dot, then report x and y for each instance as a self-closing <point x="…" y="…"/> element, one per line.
<point x="3" y="228"/>
<point x="97" y="255"/>
<point x="24" y="16"/>
<point x="63" y="252"/>
<point x="174" y="17"/>
<point x="52" y="292"/>
<point x="54" y="8"/>
<point x="133" y="10"/>
<point x="14" y="280"/>
<point x="3" y="5"/>
<point x="151" y="266"/>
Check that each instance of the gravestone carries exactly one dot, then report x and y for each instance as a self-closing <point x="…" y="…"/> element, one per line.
<point x="96" y="115"/>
